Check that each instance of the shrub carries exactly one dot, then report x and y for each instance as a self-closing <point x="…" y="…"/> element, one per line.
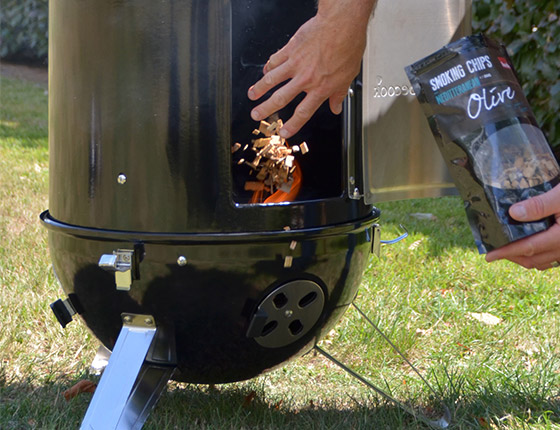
<point x="529" y="28"/>
<point x="24" y="30"/>
<point x="531" y="31"/>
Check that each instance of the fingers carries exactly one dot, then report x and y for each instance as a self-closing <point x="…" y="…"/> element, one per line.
<point x="303" y="113"/>
<point x="536" y="251"/>
<point x="537" y="207"/>
<point x="540" y="251"/>
<point x="276" y="60"/>
<point x="277" y="101"/>
<point x="542" y="262"/>
<point x="273" y="74"/>
<point x="268" y="81"/>
<point x="281" y="97"/>
<point x="336" y="101"/>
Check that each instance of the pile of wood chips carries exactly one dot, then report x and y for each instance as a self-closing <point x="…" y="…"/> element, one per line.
<point x="527" y="171"/>
<point x="273" y="163"/>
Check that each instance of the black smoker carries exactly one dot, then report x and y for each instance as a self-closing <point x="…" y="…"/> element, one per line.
<point x="149" y="223"/>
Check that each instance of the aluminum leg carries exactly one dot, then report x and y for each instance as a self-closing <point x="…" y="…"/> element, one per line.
<point x="140" y="365"/>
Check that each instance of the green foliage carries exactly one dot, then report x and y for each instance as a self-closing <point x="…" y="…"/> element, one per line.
<point x="531" y="31"/>
<point x="24" y="29"/>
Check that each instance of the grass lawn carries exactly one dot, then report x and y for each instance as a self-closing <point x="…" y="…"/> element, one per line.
<point x="485" y="336"/>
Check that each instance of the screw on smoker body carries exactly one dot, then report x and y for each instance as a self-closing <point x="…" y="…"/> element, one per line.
<point x="148" y="321"/>
<point x="127" y="319"/>
<point x="182" y="261"/>
<point x="289" y="313"/>
<point x="121" y="179"/>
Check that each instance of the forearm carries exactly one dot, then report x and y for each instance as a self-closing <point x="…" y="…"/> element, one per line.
<point x="343" y="26"/>
<point x="355" y="13"/>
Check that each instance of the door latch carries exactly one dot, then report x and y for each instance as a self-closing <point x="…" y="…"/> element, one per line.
<point x="120" y="262"/>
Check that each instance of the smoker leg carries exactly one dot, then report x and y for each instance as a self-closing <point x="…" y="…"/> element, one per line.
<point x="140" y="365"/>
<point x="439" y="423"/>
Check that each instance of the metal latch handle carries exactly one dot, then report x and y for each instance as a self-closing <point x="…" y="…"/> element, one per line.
<point x="120" y="262"/>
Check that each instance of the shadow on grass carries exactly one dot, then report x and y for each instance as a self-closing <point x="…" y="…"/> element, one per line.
<point x="229" y="410"/>
<point x="23" y="114"/>
<point x="14" y="138"/>
<point x="27" y="406"/>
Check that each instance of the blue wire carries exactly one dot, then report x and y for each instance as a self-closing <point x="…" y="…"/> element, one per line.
<point x="398" y="239"/>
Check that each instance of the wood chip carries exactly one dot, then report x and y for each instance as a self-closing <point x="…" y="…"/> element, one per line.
<point x="254" y="186"/>
<point x="261" y="176"/>
<point x="263" y="128"/>
<point x="261" y="143"/>
<point x="272" y="128"/>
<point x="288" y="261"/>
<point x="527" y="170"/>
<point x="83" y="386"/>
<point x="286" y="187"/>
<point x="289" y="161"/>
<point x="273" y="162"/>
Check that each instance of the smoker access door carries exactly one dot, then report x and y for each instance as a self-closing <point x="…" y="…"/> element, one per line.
<point x="400" y="157"/>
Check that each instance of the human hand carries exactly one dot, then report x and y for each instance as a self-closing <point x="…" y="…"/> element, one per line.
<point x="542" y="250"/>
<point x="321" y="59"/>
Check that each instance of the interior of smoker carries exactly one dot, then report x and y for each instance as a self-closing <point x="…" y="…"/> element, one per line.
<point x="259" y="29"/>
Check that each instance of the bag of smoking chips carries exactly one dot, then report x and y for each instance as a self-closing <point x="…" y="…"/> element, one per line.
<point x="487" y="134"/>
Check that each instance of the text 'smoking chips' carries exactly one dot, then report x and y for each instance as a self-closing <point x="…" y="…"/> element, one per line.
<point x="487" y="134"/>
